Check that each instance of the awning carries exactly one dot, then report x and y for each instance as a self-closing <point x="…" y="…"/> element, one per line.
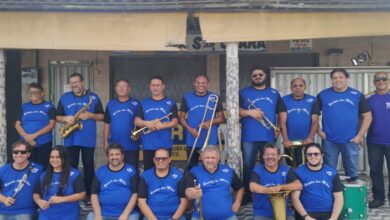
<point x="92" y="31"/>
<point x="272" y="26"/>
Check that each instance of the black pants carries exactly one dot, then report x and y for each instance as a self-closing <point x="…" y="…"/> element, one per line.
<point x="41" y="154"/>
<point x="132" y="157"/>
<point x="315" y="215"/>
<point x="87" y="157"/>
<point x="195" y="157"/>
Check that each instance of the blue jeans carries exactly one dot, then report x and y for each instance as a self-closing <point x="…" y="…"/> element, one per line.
<point x="349" y="155"/>
<point x="17" y="217"/>
<point x="376" y="153"/>
<point x="133" y="216"/>
<point x="231" y="218"/>
<point x="181" y="218"/>
<point x="250" y="151"/>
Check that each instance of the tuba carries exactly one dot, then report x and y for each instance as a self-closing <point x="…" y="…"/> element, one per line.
<point x="67" y="128"/>
<point x="278" y="202"/>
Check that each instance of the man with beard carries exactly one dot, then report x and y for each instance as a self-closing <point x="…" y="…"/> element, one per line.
<point x="257" y="101"/>
<point x="192" y="111"/>
<point x="299" y="123"/>
<point x="119" y="122"/>
<point x="114" y="188"/>
<point x="161" y="190"/>
<point x="322" y="195"/>
<point x="269" y="178"/>
<point x="83" y="140"/>
<point x="209" y="185"/>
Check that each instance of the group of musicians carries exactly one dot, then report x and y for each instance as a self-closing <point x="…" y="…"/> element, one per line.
<point x="118" y="191"/>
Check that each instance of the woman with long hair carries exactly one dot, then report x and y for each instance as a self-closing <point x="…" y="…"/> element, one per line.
<point x="59" y="188"/>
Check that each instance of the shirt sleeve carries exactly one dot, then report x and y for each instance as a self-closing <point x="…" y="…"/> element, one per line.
<point x="364" y="106"/>
<point x="280" y="106"/>
<point x="37" y="187"/>
<point x="107" y="118"/>
<point x="183" y="105"/>
<point x="319" y="103"/>
<point x="99" y="107"/>
<point x="337" y="185"/>
<point x="142" y="188"/>
<point x="240" y="101"/>
<point x="95" y="188"/>
<point x="190" y="180"/>
<point x="236" y="183"/>
<point x="219" y="105"/>
<point x="181" y="188"/>
<point x="78" y="184"/>
<point x="174" y="111"/>
<point x="52" y="113"/>
<point x="255" y="178"/>
<point x="291" y="176"/>
<point x="134" y="183"/>
<point x="315" y="110"/>
<point x="60" y="109"/>
<point x="285" y="109"/>
<point x="140" y="112"/>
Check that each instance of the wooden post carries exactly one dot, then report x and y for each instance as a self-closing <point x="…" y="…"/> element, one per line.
<point x="233" y="139"/>
<point x="3" y="122"/>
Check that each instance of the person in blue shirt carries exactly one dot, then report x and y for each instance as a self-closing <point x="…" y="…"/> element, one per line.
<point x="84" y="139"/>
<point x="378" y="137"/>
<point x="269" y="178"/>
<point x="37" y="120"/>
<point x="254" y="135"/>
<point x="119" y="122"/>
<point x="322" y="195"/>
<point x="192" y="110"/>
<point x="59" y="189"/>
<point x="149" y="112"/>
<point x="209" y="185"/>
<point x="161" y="190"/>
<point x="114" y="189"/>
<point x="17" y="182"/>
<point x="299" y="123"/>
<point x="346" y="116"/>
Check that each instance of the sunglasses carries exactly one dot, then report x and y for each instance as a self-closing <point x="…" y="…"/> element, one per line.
<point x="378" y="79"/>
<point x="161" y="158"/>
<point x="316" y="154"/>
<point x="258" y="75"/>
<point x="20" y="151"/>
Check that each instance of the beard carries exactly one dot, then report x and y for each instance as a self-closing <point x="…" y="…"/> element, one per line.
<point x="257" y="84"/>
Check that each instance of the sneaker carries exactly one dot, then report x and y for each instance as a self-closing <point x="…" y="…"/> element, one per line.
<point x="352" y="179"/>
<point x="375" y="204"/>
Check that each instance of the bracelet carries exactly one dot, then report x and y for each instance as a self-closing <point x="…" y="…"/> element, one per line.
<point x="305" y="215"/>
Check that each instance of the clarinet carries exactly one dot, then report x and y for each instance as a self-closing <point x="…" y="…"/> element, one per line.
<point x="22" y="181"/>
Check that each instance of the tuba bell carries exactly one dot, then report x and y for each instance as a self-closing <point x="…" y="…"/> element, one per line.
<point x="278" y="202"/>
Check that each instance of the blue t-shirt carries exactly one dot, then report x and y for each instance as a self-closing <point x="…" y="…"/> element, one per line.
<point x="114" y="189"/>
<point x="340" y="113"/>
<point x="9" y="180"/>
<point x="318" y="187"/>
<point x="34" y="117"/>
<point x="195" y="106"/>
<point x="120" y="116"/>
<point x="217" y="199"/>
<point x="269" y="101"/>
<point x="379" y="132"/>
<point x="63" y="211"/>
<point x="70" y="104"/>
<point x="151" y="109"/>
<point x="162" y="193"/>
<point x="261" y="203"/>
<point x="299" y="113"/>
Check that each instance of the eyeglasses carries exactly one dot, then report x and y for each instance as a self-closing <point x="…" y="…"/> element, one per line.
<point x="161" y="158"/>
<point x="270" y="155"/>
<point x="75" y="83"/>
<point x="34" y="93"/>
<point x="20" y="151"/>
<point x="378" y="79"/>
<point x="297" y="86"/>
<point x="258" y="75"/>
<point x="316" y="154"/>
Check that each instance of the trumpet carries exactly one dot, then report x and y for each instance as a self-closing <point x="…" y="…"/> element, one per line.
<point x="198" y="202"/>
<point x="212" y="98"/>
<point x="135" y="134"/>
<point x="263" y="119"/>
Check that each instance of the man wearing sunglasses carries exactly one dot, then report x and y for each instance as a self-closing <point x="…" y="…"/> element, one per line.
<point x="161" y="190"/>
<point x="17" y="182"/>
<point x="378" y="137"/>
<point x="299" y="123"/>
<point x="322" y="194"/>
<point x="256" y="102"/>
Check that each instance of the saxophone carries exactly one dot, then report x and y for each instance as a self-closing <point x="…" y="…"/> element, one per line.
<point x="67" y="128"/>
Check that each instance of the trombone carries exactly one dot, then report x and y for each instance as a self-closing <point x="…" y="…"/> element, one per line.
<point x="263" y="119"/>
<point x="211" y="99"/>
<point x="135" y="134"/>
